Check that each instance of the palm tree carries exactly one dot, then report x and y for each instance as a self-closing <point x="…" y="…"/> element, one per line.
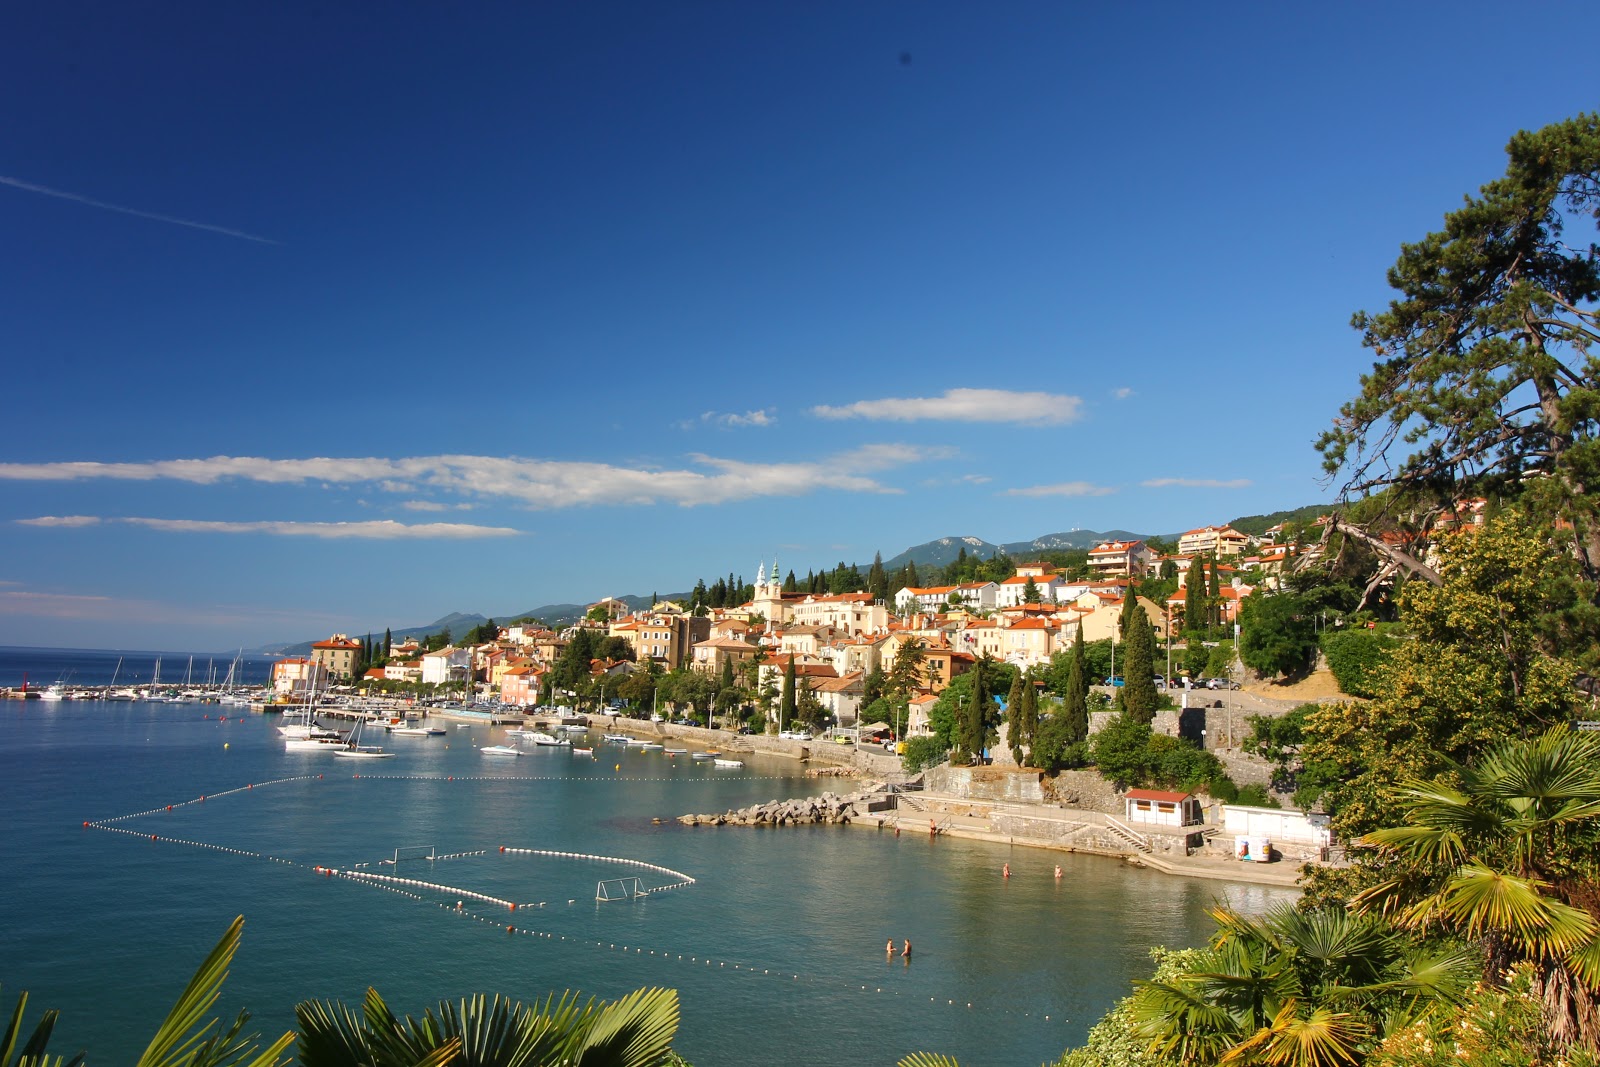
<point x="1296" y="988"/>
<point x="635" y="1031"/>
<point x="1509" y="858"/>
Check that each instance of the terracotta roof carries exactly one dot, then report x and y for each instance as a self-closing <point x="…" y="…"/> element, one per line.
<point x="1157" y="794"/>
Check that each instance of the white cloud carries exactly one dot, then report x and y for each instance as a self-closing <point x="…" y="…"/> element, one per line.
<point x="1122" y="393"/>
<point x="44" y="190"/>
<point x="976" y="479"/>
<point x="532" y="482"/>
<point x="731" y="419"/>
<point x="59" y="520"/>
<point x="1062" y="489"/>
<point x="1197" y="483"/>
<point x="378" y="530"/>
<point x="964" y="405"/>
<point x="424" y="505"/>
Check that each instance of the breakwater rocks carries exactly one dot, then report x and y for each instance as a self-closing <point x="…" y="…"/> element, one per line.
<point x="807" y="811"/>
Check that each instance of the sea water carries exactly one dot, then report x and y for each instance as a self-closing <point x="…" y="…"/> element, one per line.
<point x="776" y="949"/>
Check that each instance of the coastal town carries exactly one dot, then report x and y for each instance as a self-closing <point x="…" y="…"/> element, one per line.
<point x="807" y="675"/>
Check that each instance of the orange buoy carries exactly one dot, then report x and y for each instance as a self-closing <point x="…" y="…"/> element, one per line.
<point x="169" y="807"/>
<point x="511" y="929"/>
<point x="513" y="907"/>
<point x="502" y="847"/>
<point x="86" y="824"/>
<point x="152" y="837"/>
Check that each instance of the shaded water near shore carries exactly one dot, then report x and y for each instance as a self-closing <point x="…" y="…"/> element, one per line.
<point x="777" y="950"/>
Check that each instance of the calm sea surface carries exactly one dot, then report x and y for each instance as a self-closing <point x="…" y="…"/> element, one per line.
<point x="776" y="950"/>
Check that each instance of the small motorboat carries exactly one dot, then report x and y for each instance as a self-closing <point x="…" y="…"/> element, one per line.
<point x="720" y="762"/>
<point x="676" y="751"/>
<point x="416" y="731"/>
<point x="500" y="750"/>
<point x="576" y="751"/>
<point x="702" y="755"/>
<point x="542" y="739"/>
<point x="617" y="739"/>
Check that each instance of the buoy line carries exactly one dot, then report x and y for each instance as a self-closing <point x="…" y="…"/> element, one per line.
<point x="404" y="887"/>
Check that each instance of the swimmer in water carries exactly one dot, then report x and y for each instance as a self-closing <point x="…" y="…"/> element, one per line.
<point x="888" y="950"/>
<point x="906" y="952"/>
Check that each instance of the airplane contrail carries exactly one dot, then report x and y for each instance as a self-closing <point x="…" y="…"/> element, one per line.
<point x="43" y="190"/>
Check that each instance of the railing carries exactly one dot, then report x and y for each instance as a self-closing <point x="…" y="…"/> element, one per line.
<point x="1129" y="834"/>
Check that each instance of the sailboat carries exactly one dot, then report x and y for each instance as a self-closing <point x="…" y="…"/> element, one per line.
<point x="353" y="749"/>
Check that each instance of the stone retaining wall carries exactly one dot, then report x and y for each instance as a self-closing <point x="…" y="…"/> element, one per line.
<point x="986" y="783"/>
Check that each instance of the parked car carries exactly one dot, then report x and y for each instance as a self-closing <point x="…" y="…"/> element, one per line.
<point x="1115" y="680"/>
<point x="1221" y="683"/>
<point x="794" y="735"/>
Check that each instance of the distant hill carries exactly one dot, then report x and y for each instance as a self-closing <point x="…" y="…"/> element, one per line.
<point x="1256" y="525"/>
<point x="945" y="550"/>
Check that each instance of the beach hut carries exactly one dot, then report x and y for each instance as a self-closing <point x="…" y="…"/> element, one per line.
<point x="1157" y="807"/>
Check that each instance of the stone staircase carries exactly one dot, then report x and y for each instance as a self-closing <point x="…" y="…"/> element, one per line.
<point x="1129" y="834"/>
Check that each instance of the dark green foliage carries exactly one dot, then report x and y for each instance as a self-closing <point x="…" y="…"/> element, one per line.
<point x="1030" y="592"/>
<point x="971" y="719"/>
<point x="786" y="703"/>
<point x="921" y="753"/>
<point x="1256" y="796"/>
<point x="1028" y="716"/>
<point x="877" y="580"/>
<point x="1277" y="635"/>
<point x="1194" y="597"/>
<point x="1223" y="788"/>
<point x="1128" y="753"/>
<point x="1138" y="694"/>
<point x="1492" y="312"/>
<point x="1256" y="525"/>
<point x="1014" y="738"/>
<point x="1354" y="656"/>
<point x="1121" y="751"/>
<point x="1053" y="748"/>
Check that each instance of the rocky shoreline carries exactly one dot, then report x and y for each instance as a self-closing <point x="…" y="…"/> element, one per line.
<point x="827" y="809"/>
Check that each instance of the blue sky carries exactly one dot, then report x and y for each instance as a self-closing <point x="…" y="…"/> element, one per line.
<point x="332" y="317"/>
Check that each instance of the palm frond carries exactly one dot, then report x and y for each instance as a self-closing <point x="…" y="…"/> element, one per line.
<point x="636" y="1031"/>
<point x="928" y="1059"/>
<point x="33" y="1052"/>
<point x="183" y="1038"/>
<point x="1322" y="1039"/>
<point x="1484" y="900"/>
<point x="1585" y="962"/>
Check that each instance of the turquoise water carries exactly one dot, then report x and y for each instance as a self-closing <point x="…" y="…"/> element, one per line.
<point x="107" y="926"/>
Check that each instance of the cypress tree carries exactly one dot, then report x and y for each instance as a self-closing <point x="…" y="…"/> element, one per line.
<point x="877" y="578"/>
<point x="786" y="702"/>
<point x="727" y="674"/>
<point x="1030" y="592"/>
<point x="789" y="585"/>
<point x="911" y="572"/>
<point x="1194" y="597"/>
<point x="1028" y="717"/>
<point x="1014" y="701"/>
<point x="1214" y="595"/>
<point x="1075" y="706"/>
<point x="388" y="642"/>
<point x="970" y="730"/>
<point x="1138" y="694"/>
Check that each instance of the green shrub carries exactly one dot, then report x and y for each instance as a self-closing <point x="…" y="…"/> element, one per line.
<point x="1224" y="789"/>
<point x="922" y="752"/>
<point x="1256" y="796"/>
<point x="1354" y="657"/>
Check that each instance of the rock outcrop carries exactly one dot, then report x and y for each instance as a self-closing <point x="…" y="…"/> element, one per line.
<point x="807" y="811"/>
